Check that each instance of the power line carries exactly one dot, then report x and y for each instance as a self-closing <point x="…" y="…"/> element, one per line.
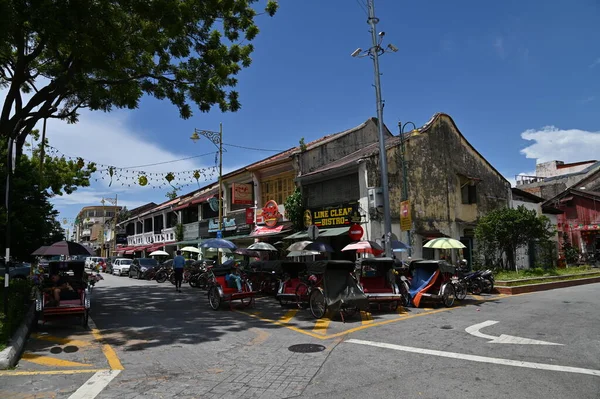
<point x="252" y="148"/>
<point x="165" y="162"/>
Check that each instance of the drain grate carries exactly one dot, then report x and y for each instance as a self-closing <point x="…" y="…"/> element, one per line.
<point x="446" y="327"/>
<point x="306" y="348"/>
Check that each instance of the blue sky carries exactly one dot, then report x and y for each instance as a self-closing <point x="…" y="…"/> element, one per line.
<point x="520" y="79"/>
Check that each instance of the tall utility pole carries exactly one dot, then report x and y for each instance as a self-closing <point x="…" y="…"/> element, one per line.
<point x="374" y="52"/>
<point x="405" y="175"/>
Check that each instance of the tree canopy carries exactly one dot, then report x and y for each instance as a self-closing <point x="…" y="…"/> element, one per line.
<point x="501" y="232"/>
<point x="57" y="57"/>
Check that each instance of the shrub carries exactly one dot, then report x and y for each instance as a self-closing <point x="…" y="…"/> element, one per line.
<point x="19" y="294"/>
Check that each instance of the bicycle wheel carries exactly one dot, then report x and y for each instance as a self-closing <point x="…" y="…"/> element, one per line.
<point x="448" y="294"/>
<point x="460" y="290"/>
<point x="302" y="293"/>
<point x="318" y="306"/>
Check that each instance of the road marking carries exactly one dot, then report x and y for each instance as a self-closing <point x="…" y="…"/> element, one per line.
<point x="479" y="359"/>
<point x="366" y="317"/>
<point x="321" y="326"/>
<point x="110" y="354"/>
<point x="503" y="339"/>
<point x="92" y="387"/>
<point x="261" y="336"/>
<point x="5" y="373"/>
<point x="61" y="341"/>
<point x="51" y="361"/>
<point x="288" y="315"/>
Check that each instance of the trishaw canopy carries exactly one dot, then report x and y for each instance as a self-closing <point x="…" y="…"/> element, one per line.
<point x="340" y="288"/>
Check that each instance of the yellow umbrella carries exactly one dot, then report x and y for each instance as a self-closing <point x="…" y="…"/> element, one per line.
<point x="444" y="243"/>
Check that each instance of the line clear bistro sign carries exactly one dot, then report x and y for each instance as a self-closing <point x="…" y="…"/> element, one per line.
<point x="405" y="216"/>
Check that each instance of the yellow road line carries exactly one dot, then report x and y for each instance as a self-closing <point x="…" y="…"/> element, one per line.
<point x="111" y="356"/>
<point x="51" y="361"/>
<point x="5" y="373"/>
<point x="278" y="323"/>
<point x="366" y="317"/>
<point x="321" y="326"/>
<point x="109" y="352"/>
<point x="478" y="297"/>
<point x="401" y="311"/>
<point x="288" y="315"/>
<point x="62" y="341"/>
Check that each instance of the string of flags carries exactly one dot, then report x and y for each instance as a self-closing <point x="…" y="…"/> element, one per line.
<point x="129" y="177"/>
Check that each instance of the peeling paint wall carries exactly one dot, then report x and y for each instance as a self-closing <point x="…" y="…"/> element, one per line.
<point x="436" y="158"/>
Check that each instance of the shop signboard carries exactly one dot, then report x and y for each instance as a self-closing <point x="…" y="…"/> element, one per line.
<point x="241" y="194"/>
<point x="228" y="225"/>
<point x="270" y="214"/>
<point x="334" y="216"/>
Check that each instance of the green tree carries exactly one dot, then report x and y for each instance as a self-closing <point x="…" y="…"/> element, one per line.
<point x="171" y="194"/>
<point x="101" y="54"/>
<point x="294" y="209"/>
<point x="501" y="232"/>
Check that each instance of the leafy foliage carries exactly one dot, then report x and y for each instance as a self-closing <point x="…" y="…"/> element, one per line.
<point x="171" y="194"/>
<point x="101" y="54"/>
<point x="294" y="209"/>
<point x="33" y="218"/>
<point x="503" y="230"/>
<point x="19" y="292"/>
<point x="570" y="252"/>
<point x="179" y="232"/>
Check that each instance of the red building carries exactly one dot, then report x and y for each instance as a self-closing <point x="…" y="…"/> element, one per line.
<point x="580" y="222"/>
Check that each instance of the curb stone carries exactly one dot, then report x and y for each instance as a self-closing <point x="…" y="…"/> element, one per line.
<point x="10" y="355"/>
<point x="522" y="289"/>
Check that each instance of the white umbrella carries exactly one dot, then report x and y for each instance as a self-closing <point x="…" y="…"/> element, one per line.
<point x="159" y="253"/>
<point x="190" y="249"/>
<point x="302" y="253"/>
<point x="262" y="246"/>
<point x="298" y="246"/>
<point x="444" y="243"/>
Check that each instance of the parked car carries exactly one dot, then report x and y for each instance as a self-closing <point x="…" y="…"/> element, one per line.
<point x="141" y="266"/>
<point x="17" y="270"/>
<point x="91" y="262"/>
<point x="108" y="264"/>
<point x="120" y="266"/>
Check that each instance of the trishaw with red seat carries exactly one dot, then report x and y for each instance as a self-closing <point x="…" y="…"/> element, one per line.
<point x="220" y="290"/>
<point x="76" y="304"/>
<point x="264" y="275"/>
<point x="377" y="278"/>
<point x="432" y="280"/>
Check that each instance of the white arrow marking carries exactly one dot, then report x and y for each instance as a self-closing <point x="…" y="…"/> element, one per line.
<point x="503" y="339"/>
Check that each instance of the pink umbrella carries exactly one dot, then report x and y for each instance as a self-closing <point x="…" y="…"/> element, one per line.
<point x="369" y="247"/>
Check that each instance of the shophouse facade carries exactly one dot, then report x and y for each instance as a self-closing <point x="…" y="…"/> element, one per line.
<point x="90" y="225"/>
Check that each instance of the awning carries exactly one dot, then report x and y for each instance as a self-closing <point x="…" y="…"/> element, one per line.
<point x="330" y="232"/>
<point x="203" y="198"/>
<point x="265" y="231"/>
<point x="188" y="242"/>
<point x="180" y="207"/>
<point x="156" y="246"/>
<point x="129" y="252"/>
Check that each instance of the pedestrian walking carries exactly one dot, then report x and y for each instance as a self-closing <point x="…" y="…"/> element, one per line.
<point x="178" y="265"/>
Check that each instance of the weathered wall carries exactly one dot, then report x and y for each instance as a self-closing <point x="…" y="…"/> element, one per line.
<point x="338" y="190"/>
<point x="435" y="158"/>
<point x="333" y="149"/>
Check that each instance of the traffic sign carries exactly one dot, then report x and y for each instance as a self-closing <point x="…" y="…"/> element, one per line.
<point x="355" y="232"/>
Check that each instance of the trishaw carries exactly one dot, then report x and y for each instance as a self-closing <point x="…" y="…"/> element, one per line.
<point x="265" y="275"/>
<point x="293" y="287"/>
<point x="74" y="273"/>
<point x="432" y="279"/>
<point x="220" y="291"/>
<point x="377" y="279"/>
<point x="338" y="290"/>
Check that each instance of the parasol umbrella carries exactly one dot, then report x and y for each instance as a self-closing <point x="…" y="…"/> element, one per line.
<point x="40" y="250"/>
<point x="444" y="243"/>
<point x="262" y="246"/>
<point x="190" y="249"/>
<point x="159" y="253"/>
<point x="66" y="248"/>
<point x="298" y="246"/>
<point x="247" y="252"/>
<point x="218" y="243"/>
<point x="365" y="246"/>
<point x="302" y="253"/>
<point x="399" y="246"/>
<point x="318" y="246"/>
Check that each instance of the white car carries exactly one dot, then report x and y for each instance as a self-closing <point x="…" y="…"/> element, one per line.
<point x="121" y="266"/>
<point x="91" y="261"/>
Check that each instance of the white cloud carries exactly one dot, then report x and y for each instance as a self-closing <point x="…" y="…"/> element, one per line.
<point x="90" y="196"/>
<point x="499" y="46"/>
<point x="568" y="145"/>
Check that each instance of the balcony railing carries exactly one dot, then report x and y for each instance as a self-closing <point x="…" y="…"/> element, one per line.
<point x="522" y="179"/>
<point x="166" y="235"/>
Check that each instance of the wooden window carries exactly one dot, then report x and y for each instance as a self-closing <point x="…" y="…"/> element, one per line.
<point x="277" y="188"/>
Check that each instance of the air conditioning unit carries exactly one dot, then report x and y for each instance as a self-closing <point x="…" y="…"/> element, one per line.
<point x="375" y="197"/>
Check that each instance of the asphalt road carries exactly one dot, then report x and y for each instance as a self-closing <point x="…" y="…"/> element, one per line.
<point x="171" y="344"/>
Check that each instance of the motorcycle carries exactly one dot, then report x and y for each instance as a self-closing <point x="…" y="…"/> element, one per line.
<point x="487" y="280"/>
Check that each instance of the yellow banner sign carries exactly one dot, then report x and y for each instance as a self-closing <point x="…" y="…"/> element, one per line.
<point x="405" y="216"/>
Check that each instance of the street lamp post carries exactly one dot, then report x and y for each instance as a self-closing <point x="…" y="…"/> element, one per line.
<point x="114" y="202"/>
<point x="374" y="52"/>
<point x="405" y="175"/>
<point x="217" y="139"/>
